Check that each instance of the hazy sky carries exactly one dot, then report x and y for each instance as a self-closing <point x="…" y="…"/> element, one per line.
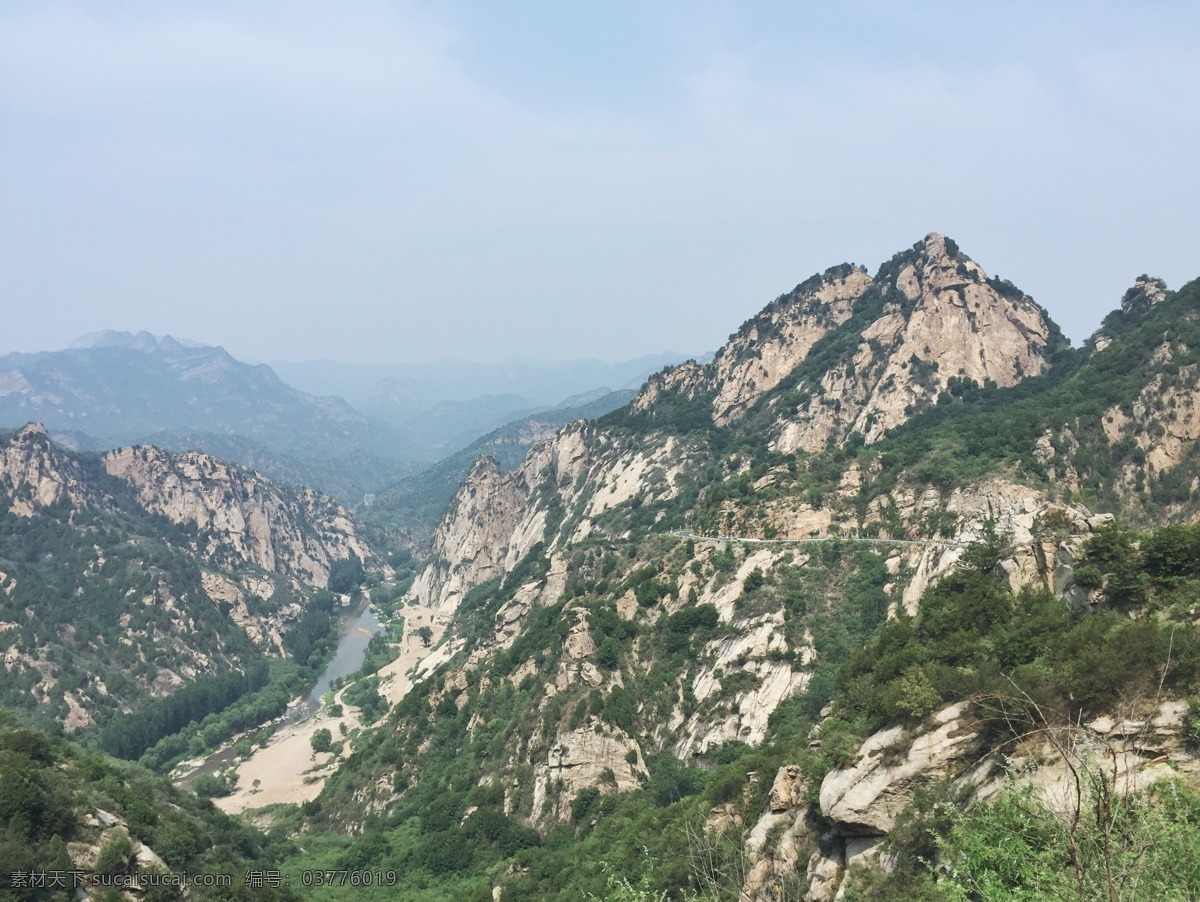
<point x="396" y="181"/>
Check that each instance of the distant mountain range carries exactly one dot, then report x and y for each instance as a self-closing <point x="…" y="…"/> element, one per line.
<point x="442" y="407"/>
<point x="417" y="502"/>
<point x="119" y="388"/>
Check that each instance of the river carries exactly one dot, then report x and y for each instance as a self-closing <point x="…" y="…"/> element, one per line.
<point x="355" y="633"/>
<point x="351" y="651"/>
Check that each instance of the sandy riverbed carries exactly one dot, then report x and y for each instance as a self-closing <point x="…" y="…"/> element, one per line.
<point x="286" y="761"/>
<point x="394" y="682"/>
<point x="287" y="768"/>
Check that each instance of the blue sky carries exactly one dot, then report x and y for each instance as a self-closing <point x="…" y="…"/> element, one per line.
<point x="392" y="182"/>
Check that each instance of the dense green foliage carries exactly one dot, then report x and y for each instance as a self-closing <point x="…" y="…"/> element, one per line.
<point x="1140" y="847"/>
<point x="973" y="640"/>
<point x="50" y="788"/>
<point x="70" y="575"/>
<point x="212" y="710"/>
<point x="130" y="735"/>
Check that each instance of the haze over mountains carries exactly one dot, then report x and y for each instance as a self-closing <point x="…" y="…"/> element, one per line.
<point x="442" y="407"/>
<point x="818" y="616"/>
<point x="116" y="388"/>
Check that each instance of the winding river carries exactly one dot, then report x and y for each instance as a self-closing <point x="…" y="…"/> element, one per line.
<point x="355" y="633"/>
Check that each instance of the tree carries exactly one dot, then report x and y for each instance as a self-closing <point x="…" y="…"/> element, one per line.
<point x="990" y="550"/>
<point x="425" y="634"/>
<point x="346" y="576"/>
<point x="608" y="656"/>
<point x="322" y="740"/>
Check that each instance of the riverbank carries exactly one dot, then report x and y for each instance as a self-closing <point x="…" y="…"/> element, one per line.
<point x="394" y="680"/>
<point x="286" y="770"/>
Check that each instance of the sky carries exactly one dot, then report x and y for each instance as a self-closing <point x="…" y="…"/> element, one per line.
<point x="389" y="182"/>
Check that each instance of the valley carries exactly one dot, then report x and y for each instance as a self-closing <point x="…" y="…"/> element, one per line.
<point x="896" y="574"/>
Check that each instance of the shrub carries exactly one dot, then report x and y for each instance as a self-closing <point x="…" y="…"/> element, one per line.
<point x="322" y="740"/>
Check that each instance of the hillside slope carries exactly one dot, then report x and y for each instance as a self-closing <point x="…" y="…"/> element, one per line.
<point x="612" y="651"/>
<point x="130" y="575"/>
<point x="122" y="388"/>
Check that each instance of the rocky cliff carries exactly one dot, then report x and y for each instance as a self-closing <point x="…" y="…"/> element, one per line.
<point x="127" y="576"/>
<point x="683" y="583"/>
<point x="242" y="516"/>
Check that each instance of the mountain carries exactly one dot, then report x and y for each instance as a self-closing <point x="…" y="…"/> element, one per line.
<point x="871" y="579"/>
<point x="442" y="407"/>
<point x="844" y="353"/>
<point x="131" y="575"/>
<point x="417" y="502"/>
<point x="76" y="823"/>
<point x="119" y="388"/>
<point x="895" y="597"/>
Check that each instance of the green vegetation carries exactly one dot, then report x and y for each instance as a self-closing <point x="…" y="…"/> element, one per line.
<point x="128" y="736"/>
<point x="201" y="716"/>
<point x="442" y="789"/>
<point x="1140" y="847"/>
<point x="70" y="577"/>
<point x="971" y="640"/>
<point x="322" y="740"/>
<point x="50" y="787"/>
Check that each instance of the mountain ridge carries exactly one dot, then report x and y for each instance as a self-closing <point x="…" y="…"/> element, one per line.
<point x="617" y="619"/>
<point x="148" y="570"/>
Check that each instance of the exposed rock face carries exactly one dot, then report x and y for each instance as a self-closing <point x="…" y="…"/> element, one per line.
<point x="933" y="316"/>
<point x="240" y="513"/>
<point x="580" y="759"/>
<point x="497" y="518"/>
<point x="474" y="538"/>
<point x="253" y="537"/>
<point x="773" y="845"/>
<point x="745" y="649"/>
<point x="772" y="344"/>
<point x="864" y="798"/>
<point x="1145" y="294"/>
<point x="265" y="631"/>
<point x="941" y="320"/>
<point x="1164" y="420"/>
<point x="35" y="474"/>
<point x="97" y="829"/>
<point x="683" y="379"/>
<point x="1129" y="748"/>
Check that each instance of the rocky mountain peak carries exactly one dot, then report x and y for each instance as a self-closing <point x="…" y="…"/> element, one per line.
<point x="1145" y="293"/>
<point x="142" y="341"/>
<point x="32" y="434"/>
<point x="34" y="473"/>
<point x="845" y="353"/>
<point x="934" y="317"/>
<point x="935" y="265"/>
